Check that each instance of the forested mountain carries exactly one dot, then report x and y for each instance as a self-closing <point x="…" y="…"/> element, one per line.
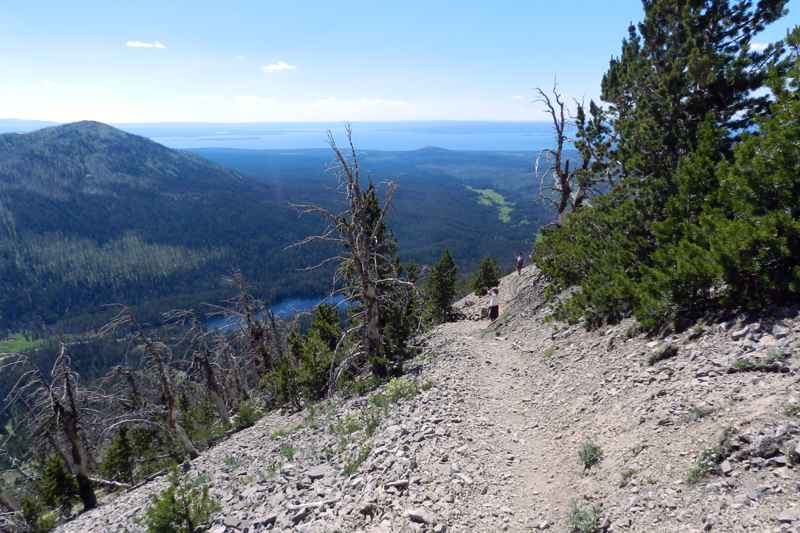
<point x="91" y="215"/>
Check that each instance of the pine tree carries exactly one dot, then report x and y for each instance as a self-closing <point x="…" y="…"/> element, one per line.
<point x="117" y="463"/>
<point x="488" y="276"/>
<point x="442" y="287"/>
<point x="57" y="486"/>
<point x="689" y="63"/>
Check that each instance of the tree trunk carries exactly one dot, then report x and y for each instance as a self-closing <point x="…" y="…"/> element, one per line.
<point x="214" y="390"/>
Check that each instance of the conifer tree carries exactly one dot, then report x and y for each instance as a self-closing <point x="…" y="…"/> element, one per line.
<point x="442" y="287"/>
<point x="488" y="276"/>
<point x="367" y="267"/>
<point x="688" y="63"/>
<point x="58" y="486"/>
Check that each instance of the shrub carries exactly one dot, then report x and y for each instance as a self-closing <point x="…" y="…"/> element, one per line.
<point x="36" y="517"/>
<point x="589" y="454"/>
<point x="57" y="486"/>
<point x="287" y="452"/>
<point x="400" y="389"/>
<point x="626" y="476"/>
<point x="372" y="417"/>
<point x="698" y="412"/>
<point x="661" y="353"/>
<point x="583" y="518"/>
<point x="182" y="507"/>
<point x="200" y="419"/>
<point x="348" y="425"/>
<point x="247" y="415"/>
<point x="118" y="459"/>
<point x="710" y="458"/>
<point x="792" y="409"/>
<point x="354" y="461"/>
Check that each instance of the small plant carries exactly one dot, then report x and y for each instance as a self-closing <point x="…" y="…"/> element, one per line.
<point x="777" y="355"/>
<point x="698" y="412"/>
<point x="285" y="432"/>
<point x="549" y="352"/>
<point x="271" y="470"/>
<point x="426" y="385"/>
<point x="379" y="401"/>
<point x="287" y="452"/>
<point x="743" y="365"/>
<point x="792" y="409"/>
<point x="348" y="425"/>
<point x="583" y="518"/>
<point x="232" y="462"/>
<point x="353" y="462"/>
<point x="626" y="476"/>
<point x="247" y="416"/>
<point x="360" y="387"/>
<point x="666" y="351"/>
<point x="372" y="420"/>
<point x="711" y="458"/>
<point x="400" y="389"/>
<point x="589" y="454"/>
<point x="183" y="507"/>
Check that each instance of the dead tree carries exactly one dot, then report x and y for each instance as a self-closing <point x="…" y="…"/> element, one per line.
<point x="256" y="331"/>
<point x="572" y="187"/>
<point x="57" y="404"/>
<point x="157" y="357"/>
<point x="357" y="230"/>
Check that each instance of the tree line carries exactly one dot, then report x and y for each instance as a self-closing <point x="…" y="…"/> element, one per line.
<point x="686" y="200"/>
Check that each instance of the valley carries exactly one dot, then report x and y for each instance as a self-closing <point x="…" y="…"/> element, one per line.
<point x="107" y="217"/>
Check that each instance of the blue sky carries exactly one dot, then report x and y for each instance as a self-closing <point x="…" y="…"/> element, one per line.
<point x="242" y="61"/>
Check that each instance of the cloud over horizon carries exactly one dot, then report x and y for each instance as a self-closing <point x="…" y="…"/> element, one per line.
<point x="145" y="44"/>
<point x="280" y="66"/>
<point x="758" y="47"/>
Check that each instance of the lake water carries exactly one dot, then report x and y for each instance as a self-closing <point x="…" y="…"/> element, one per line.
<point x="509" y="136"/>
<point x="284" y="309"/>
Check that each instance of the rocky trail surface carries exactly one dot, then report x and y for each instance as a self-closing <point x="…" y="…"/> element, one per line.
<point x="697" y="431"/>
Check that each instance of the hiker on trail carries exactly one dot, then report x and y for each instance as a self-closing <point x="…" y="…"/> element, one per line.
<point x="520" y="263"/>
<point x="494" y="306"/>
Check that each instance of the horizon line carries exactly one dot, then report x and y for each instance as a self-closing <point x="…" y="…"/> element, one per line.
<point x="256" y="122"/>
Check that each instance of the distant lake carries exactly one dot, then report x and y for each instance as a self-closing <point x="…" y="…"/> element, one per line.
<point x="283" y="309"/>
<point x="505" y="136"/>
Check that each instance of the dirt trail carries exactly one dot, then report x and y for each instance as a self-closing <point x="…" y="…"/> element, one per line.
<point x="523" y="482"/>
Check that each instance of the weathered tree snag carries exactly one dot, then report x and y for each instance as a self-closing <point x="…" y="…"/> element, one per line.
<point x="356" y="229"/>
<point x="55" y="404"/>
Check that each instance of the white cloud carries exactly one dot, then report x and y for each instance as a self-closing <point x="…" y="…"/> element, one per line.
<point x="758" y="47"/>
<point x="517" y="98"/>
<point x="145" y="44"/>
<point x="280" y="66"/>
<point x="239" y="59"/>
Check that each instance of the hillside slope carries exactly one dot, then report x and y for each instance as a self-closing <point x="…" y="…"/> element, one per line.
<point x="489" y="438"/>
<point x="91" y="215"/>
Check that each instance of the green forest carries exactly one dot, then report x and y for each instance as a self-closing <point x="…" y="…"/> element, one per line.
<point x="92" y="216"/>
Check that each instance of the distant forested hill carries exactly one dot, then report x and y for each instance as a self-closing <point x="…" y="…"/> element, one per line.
<point x="91" y="215"/>
<point x="475" y="203"/>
